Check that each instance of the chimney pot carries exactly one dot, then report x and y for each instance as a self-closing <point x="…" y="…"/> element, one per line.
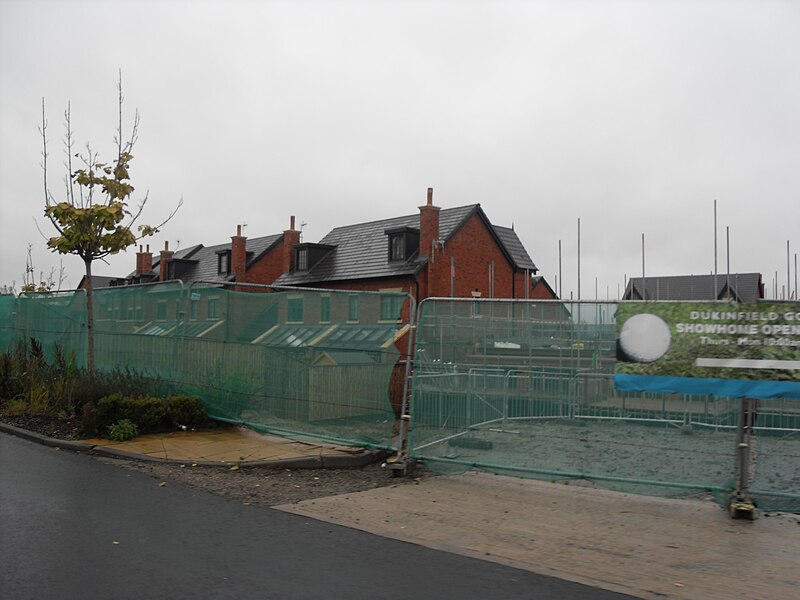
<point x="239" y="231"/>
<point x="430" y="196"/>
<point x="166" y="245"/>
<point x="148" y="248"/>
<point x="291" y="223"/>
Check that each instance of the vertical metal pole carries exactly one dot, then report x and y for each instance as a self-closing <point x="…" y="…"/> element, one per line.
<point x="644" y="294"/>
<point x="741" y="503"/>
<point x="579" y="258"/>
<point x="452" y="276"/>
<point x="728" y="258"/>
<point x="560" y="280"/>
<point x="716" y="290"/>
<point x="796" y="297"/>
<point x="788" y="273"/>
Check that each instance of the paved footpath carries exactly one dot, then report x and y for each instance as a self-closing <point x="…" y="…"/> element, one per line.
<point x="642" y="546"/>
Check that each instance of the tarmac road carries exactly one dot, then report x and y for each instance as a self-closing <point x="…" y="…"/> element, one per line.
<point x="74" y="527"/>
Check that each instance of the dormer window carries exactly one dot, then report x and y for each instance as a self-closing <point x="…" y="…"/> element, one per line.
<point x="224" y="263"/>
<point x="397" y="246"/>
<point x="307" y="255"/>
<point x="301" y="264"/>
<point x="403" y="242"/>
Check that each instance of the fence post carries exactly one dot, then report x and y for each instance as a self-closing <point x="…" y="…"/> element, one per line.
<point x="401" y="463"/>
<point x="740" y="502"/>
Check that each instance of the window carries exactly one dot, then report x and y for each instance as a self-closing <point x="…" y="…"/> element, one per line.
<point x="161" y="310"/>
<point x="193" y="310"/>
<point x="177" y="310"/>
<point x="391" y="307"/>
<point x="224" y="263"/>
<point x="301" y="262"/>
<point x="352" y="308"/>
<point x="213" y="308"/>
<point x="397" y="246"/>
<point x="325" y="309"/>
<point x="294" y="310"/>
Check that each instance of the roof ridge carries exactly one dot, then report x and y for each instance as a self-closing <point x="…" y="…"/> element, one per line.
<point x="411" y="216"/>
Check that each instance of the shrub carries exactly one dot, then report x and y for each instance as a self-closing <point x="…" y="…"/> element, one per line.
<point x="149" y="414"/>
<point x="15" y="408"/>
<point x="110" y="409"/>
<point x="122" y="430"/>
<point x="186" y="411"/>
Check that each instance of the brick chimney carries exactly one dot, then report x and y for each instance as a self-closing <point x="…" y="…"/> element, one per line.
<point x="166" y="257"/>
<point x="428" y="226"/>
<point x="290" y="237"/>
<point x="144" y="261"/>
<point x="238" y="255"/>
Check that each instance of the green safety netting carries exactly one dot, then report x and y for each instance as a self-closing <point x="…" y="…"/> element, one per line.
<point x="315" y="363"/>
<point x="526" y="388"/>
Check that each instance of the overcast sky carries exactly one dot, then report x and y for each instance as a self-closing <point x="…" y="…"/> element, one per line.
<point x="630" y="115"/>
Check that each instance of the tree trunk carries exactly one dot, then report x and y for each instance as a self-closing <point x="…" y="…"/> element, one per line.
<point x="89" y="319"/>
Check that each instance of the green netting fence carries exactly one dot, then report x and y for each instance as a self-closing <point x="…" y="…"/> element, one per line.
<point x="526" y="388"/>
<point x="325" y="364"/>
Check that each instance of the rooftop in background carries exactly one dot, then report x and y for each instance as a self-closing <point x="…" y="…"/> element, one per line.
<point x="360" y="249"/>
<point x="741" y="287"/>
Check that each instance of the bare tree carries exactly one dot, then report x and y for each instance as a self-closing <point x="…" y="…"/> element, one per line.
<point x="93" y="220"/>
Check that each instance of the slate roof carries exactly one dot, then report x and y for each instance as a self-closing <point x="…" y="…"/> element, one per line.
<point x="199" y="263"/>
<point x="98" y="281"/>
<point x="745" y="287"/>
<point x="361" y="250"/>
<point x="515" y="248"/>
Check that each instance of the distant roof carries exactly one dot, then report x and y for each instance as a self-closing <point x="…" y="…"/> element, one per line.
<point x="200" y="262"/>
<point x="98" y="281"/>
<point x="361" y="249"/>
<point x="744" y="287"/>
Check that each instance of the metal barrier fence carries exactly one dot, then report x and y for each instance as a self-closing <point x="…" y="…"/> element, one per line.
<point x="526" y="387"/>
<point x="315" y="363"/>
<point x="521" y="387"/>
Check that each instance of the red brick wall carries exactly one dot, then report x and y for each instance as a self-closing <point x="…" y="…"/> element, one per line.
<point x="473" y="249"/>
<point x="266" y="269"/>
<point x="542" y="292"/>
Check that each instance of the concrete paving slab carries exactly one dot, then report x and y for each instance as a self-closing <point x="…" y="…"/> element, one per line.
<point x="643" y="546"/>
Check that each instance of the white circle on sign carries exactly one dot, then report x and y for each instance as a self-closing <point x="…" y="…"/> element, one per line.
<point x="645" y="338"/>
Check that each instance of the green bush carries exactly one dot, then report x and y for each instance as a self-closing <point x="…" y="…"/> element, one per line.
<point x="122" y="430"/>
<point x="150" y="415"/>
<point x="186" y="412"/>
<point x="111" y="409"/>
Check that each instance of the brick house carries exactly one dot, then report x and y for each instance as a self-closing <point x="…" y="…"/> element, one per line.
<point x="243" y="260"/>
<point x="453" y="252"/>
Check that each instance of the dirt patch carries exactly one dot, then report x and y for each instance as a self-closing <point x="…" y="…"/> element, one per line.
<point x="268" y="487"/>
<point x="61" y="429"/>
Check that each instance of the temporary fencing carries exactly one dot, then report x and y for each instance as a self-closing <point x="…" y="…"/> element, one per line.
<point x="526" y="388"/>
<point x="517" y="387"/>
<point x="307" y="362"/>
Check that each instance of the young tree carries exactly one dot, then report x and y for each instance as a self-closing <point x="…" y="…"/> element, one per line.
<point x="93" y="220"/>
